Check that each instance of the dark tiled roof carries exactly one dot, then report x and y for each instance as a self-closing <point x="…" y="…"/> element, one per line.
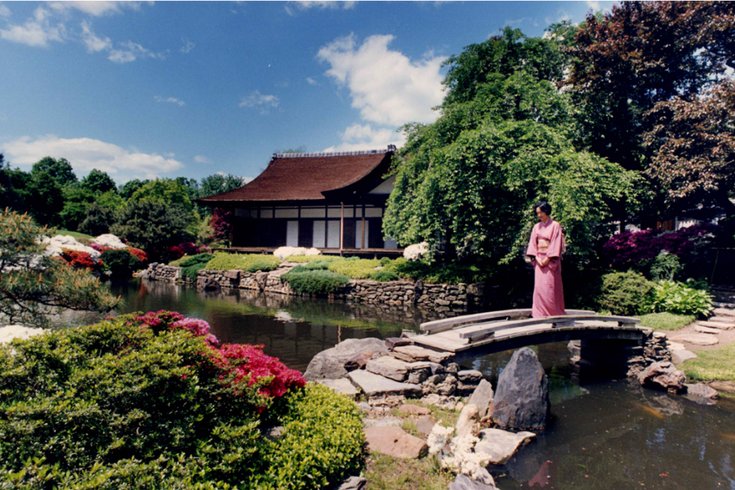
<point x="305" y="176"/>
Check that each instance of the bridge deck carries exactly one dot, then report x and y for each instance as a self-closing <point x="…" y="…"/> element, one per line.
<point x="515" y="332"/>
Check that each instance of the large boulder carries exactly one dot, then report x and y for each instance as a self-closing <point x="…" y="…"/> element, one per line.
<point x="521" y="401"/>
<point x="663" y="375"/>
<point x="498" y="446"/>
<point x="330" y="363"/>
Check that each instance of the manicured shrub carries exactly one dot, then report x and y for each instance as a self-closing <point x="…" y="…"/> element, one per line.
<point x="121" y="263"/>
<point x="384" y="275"/>
<point x="244" y="262"/>
<point x="625" y="293"/>
<point x="145" y="402"/>
<point x="191" y="264"/>
<point x="319" y="282"/>
<point x="680" y="298"/>
<point x="307" y="456"/>
<point x="354" y="267"/>
<point x="301" y="259"/>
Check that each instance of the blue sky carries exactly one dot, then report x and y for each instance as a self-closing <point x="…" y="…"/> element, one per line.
<point x="172" y="88"/>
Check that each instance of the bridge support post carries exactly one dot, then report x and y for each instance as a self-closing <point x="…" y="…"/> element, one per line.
<point x="607" y="358"/>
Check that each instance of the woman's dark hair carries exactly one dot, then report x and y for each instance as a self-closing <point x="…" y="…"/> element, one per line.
<point x="544" y="206"/>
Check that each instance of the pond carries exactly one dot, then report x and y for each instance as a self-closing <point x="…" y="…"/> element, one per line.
<point x="603" y="434"/>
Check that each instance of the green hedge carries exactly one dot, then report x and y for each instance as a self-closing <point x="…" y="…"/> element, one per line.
<point x="355" y="268"/>
<point x="308" y="456"/>
<point x="114" y="405"/>
<point x="319" y="282"/>
<point x="244" y="262"/>
<point x="191" y="264"/>
<point x="625" y="293"/>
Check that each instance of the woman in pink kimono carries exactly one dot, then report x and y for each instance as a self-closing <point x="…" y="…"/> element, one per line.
<point x="545" y="250"/>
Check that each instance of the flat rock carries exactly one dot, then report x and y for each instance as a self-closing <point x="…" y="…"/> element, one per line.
<point x="413" y="410"/>
<point x="707" y="330"/>
<point x="482" y="398"/>
<point x="681" y="355"/>
<point x="464" y="482"/>
<point x="354" y="483"/>
<point x="718" y="324"/>
<point x="469" y="376"/>
<point x="341" y="386"/>
<point x="701" y="393"/>
<point x="412" y="353"/>
<point x="330" y="363"/>
<point x="375" y="385"/>
<point x="498" y="446"/>
<point x="724" y="312"/>
<point x="389" y="367"/>
<point x="394" y="441"/>
<point x="424" y="424"/>
<point x="726" y="386"/>
<point x="697" y="339"/>
<point x="382" y="422"/>
<point x="675" y="346"/>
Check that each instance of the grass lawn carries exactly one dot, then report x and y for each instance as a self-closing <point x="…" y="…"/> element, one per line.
<point x="387" y="473"/>
<point x="712" y="365"/>
<point x="80" y="237"/>
<point x="666" y="321"/>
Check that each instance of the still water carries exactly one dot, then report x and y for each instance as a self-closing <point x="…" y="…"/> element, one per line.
<point x="603" y="435"/>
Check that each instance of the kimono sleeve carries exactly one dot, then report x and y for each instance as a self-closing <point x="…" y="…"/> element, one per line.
<point x="556" y="243"/>
<point x="531" y="249"/>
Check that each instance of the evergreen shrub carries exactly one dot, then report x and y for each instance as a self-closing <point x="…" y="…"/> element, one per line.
<point x="317" y="282"/>
<point x="625" y="293"/>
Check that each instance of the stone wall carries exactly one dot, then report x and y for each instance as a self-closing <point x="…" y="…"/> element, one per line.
<point x="440" y="299"/>
<point x="163" y="273"/>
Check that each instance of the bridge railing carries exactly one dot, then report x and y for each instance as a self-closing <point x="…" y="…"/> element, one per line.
<point x="482" y="330"/>
<point x="445" y="324"/>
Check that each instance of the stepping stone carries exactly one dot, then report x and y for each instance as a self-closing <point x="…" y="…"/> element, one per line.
<point x="675" y="346"/>
<point x="412" y="353"/>
<point x="395" y="442"/>
<point x="682" y="355"/>
<point x="724" y="312"/>
<point x="718" y="325"/>
<point x="375" y="385"/>
<point x="709" y="330"/>
<point x="341" y="386"/>
<point x="389" y="367"/>
<point x="721" y="319"/>
<point x="697" y="339"/>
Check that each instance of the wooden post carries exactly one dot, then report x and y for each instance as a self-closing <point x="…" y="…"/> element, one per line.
<point x="341" y="227"/>
<point x="362" y="241"/>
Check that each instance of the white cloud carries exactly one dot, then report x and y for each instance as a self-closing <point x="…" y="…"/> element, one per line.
<point x="311" y="81"/>
<point x="593" y="4"/>
<point x="318" y="4"/>
<point x="92" y="42"/>
<point x="4" y="11"/>
<point x="367" y="137"/>
<point x="37" y="31"/>
<point x="169" y="100"/>
<point x="201" y="159"/>
<point x="95" y="8"/>
<point x="187" y="46"/>
<point x="260" y="101"/>
<point x="130" y="51"/>
<point x="386" y="86"/>
<point x="87" y="153"/>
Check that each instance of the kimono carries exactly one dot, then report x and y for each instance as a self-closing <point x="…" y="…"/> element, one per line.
<point x="547" y="240"/>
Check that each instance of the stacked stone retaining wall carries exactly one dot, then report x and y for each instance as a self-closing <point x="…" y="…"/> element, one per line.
<point x="439" y="298"/>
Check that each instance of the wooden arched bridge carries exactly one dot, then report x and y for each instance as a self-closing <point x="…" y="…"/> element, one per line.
<point x="496" y="331"/>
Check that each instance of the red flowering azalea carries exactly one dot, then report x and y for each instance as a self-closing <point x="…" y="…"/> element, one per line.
<point x="138" y="253"/>
<point x="80" y="260"/>
<point x="251" y="365"/>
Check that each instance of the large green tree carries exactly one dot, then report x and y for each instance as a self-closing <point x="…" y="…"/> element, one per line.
<point x="155" y="225"/>
<point x="98" y="182"/>
<point x="468" y="181"/>
<point x="33" y="285"/>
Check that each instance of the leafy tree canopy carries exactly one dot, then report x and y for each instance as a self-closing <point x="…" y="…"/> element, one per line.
<point x="218" y="183"/>
<point x="154" y="225"/>
<point x="59" y="169"/>
<point x="166" y="191"/>
<point x="98" y="182"/>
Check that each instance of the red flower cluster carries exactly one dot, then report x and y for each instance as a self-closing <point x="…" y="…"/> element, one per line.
<point x="80" y="260"/>
<point x="243" y="363"/>
<point x="138" y="253"/>
<point x="252" y="366"/>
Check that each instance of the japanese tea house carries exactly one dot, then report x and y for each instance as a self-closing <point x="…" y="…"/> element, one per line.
<point x="332" y="201"/>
